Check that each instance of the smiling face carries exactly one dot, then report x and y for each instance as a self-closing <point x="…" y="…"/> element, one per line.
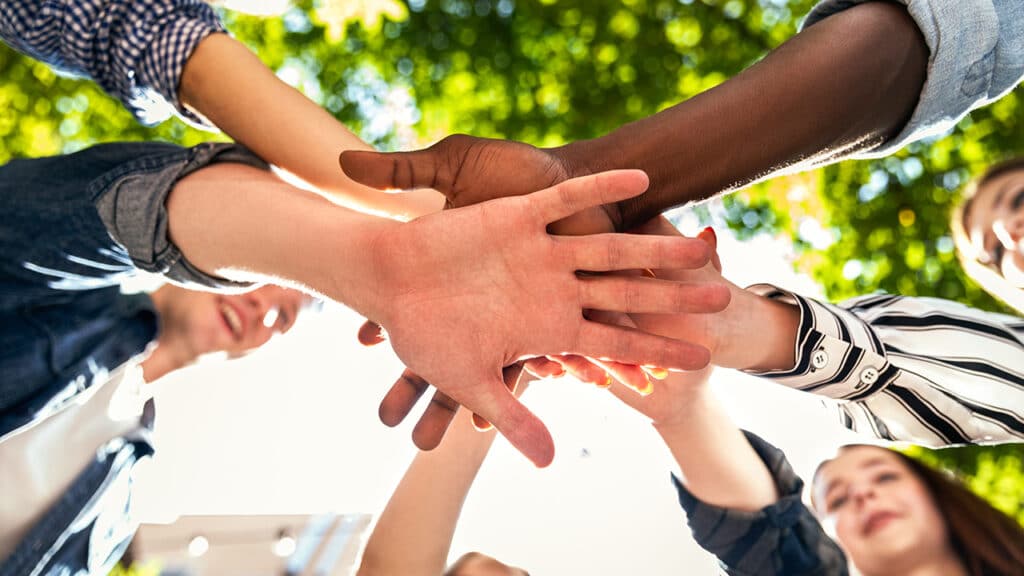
<point x="994" y="223"/>
<point x="883" y="515"/>
<point x="207" y="322"/>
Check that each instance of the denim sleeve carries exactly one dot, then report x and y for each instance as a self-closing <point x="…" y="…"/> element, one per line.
<point x="134" y="49"/>
<point x="977" y="56"/>
<point x="783" y="539"/>
<point x="84" y="221"/>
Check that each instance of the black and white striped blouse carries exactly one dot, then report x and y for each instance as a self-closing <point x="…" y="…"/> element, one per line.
<point x="921" y="370"/>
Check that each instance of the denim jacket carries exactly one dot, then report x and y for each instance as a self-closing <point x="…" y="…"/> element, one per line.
<point x="71" y="229"/>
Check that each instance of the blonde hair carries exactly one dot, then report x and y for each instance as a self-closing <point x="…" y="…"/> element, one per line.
<point x="986" y="274"/>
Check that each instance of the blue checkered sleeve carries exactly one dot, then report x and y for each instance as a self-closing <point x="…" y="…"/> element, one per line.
<point x="783" y="539"/>
<point x="134" y="49"/>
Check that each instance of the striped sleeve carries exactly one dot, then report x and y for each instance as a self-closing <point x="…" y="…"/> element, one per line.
<point x="783" y="539"/>
<point x="134" y="49"/>
<point x="921" y="370"/>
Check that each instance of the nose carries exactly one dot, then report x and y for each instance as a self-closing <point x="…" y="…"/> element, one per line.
<point x="861" y="493"/>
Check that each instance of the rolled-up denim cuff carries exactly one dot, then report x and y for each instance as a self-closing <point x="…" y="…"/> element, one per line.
<point x="132" y="204"/>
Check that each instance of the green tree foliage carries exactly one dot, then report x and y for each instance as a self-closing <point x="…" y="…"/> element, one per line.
<point x="547" y="72"/>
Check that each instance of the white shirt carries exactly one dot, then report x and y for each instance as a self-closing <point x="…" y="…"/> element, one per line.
<point x="39" y="461"/>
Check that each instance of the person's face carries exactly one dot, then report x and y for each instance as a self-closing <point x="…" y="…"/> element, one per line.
<point x="238" y="323"/>
<point x="483" y="565"/>
<point x="883" y="515"/>
<point x="994" y="222"/>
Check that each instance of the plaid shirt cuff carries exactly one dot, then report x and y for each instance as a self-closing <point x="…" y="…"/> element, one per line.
<point x="160" y="69"/>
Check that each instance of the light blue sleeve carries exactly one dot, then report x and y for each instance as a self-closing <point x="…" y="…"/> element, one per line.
<point x="977" y="56"/>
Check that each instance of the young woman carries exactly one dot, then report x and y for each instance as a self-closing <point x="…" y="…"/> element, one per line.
<point x="885" y="513"/>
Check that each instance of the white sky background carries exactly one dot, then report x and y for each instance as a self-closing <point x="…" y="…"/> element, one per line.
<point x="294" y="429"/>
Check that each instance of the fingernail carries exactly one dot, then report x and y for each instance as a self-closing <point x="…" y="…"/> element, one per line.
<point x="646" y="390"/>
<point x="711" y="231"/>
<point x="607" y="382"/>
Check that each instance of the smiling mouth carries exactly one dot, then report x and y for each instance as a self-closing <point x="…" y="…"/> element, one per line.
<point x="878" y="521"/>
<point x="232" y="319"/>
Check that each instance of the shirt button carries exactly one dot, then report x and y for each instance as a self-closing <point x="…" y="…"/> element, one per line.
<point x="869" y="376"/>
<point x="819" y="360"/>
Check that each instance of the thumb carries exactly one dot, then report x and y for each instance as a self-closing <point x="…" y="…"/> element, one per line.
<point x="396" y="170"/>
<point x="521" y="427"/>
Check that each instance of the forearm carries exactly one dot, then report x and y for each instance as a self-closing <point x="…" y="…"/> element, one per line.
<point x="718" y="464"/>
<point x="840" y="86"/>
<point x="229" y="85"/>
<point x="414" y="533"/>
<point x="242" y="223"/>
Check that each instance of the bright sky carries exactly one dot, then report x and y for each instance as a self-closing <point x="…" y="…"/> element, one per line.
<point x="294" y="429"/>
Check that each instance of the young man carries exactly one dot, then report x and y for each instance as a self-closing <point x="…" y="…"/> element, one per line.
<point x="69" y="459"/>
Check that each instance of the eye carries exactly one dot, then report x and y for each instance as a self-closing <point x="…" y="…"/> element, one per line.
<point x="1018" y="200"/>
<point x="886" y="477"/>
<point x="836" y="503"/>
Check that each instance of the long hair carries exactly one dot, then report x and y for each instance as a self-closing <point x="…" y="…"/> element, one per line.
<point x="987" y="541"/>
<point x="986" y="274"/>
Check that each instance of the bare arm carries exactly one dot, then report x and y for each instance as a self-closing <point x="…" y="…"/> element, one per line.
<point x="843" y="85"/>
<point x="228" y="84"/>
<point x="414" y="532"/>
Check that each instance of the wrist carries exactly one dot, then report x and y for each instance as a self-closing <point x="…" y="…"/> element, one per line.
<point x="688" y="416"/>
<point x="776" y="325"/>
<point x="583" y="158"/>
<point x="352" y="269"/>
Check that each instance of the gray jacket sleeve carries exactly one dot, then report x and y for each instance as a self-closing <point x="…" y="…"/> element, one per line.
<point x="977" y="56"/>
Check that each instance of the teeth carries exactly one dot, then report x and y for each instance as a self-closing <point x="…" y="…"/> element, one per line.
<point x="234" y="322"/>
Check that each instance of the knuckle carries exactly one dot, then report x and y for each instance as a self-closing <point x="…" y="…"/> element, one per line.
<point x="680" y="298"/>
<point x="614" y="254"/>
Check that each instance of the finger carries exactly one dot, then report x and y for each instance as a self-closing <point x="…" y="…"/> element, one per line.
<point x="630" y="375"/>
<point x="637" y="294"/>
<point x="511" y="375"/>
<point x="541" y="367"/>
<point x="609" y="252"/>
<point x="402" y="170"/>
<point x="631" y="346"/>
<point x="434" y="422"/>
<point x="401" y="398"/>
<point x="370" y="334"/>
<point x="656" y="372"/>
<point x="708" y="235"/>
<point x="521" y="428"/>
<point x="572" y="196"/>
<point x="583" y="370"/>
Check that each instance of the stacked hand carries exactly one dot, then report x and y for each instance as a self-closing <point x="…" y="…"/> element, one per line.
<point x="665" y="399"/>
<point x="469" y="170"/>
<point x="510" y="290"/>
